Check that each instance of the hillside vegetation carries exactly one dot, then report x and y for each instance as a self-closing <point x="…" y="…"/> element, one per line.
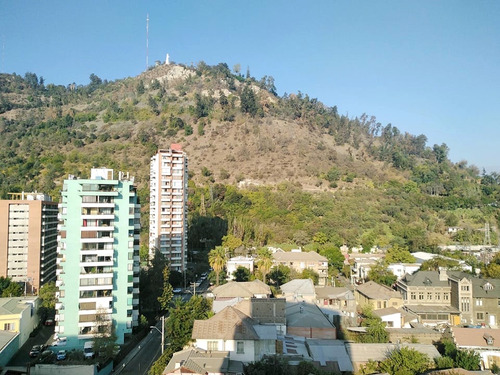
<point x="265" y="169"/>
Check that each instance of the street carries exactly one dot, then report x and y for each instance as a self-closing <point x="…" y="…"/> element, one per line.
<point x="141" y="358"/>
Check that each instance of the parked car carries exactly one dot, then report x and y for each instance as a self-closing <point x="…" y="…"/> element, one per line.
<point x="60" y="341"/>
<point x="61" y="354"/>
<point x="177" y="290"/>
<point x="35" y="351"/>
<point x="49" y="321"/>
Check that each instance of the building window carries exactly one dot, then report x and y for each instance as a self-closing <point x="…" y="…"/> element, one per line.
<point x="465" y="288"/>
<point x="479" y="302"/>
<point x="212" y="345"/>
<point x="437" y="296"/>
<point x="446" y="296"/>
<point x="240" y="347"/>
<point x="9" y="327"/>
<point x="413" y="295"/>
<point x="465" y="304"/>
<point x="429" y="296"/>
<point x="421" y="295"/>
<point x="480" y="316"/>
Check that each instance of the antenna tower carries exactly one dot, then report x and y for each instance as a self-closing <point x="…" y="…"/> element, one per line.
<point x="147" y="41"/>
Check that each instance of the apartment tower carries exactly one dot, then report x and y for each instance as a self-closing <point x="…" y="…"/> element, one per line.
<point x="28" y="239"/>
<point x="168" y="206"/>
<point x="98" y="257"/>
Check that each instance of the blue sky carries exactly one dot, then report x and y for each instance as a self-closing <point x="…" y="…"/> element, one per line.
<point x="427" y="67"/>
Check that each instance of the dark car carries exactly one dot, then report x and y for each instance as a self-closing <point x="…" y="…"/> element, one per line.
<point x="35" y="351"/>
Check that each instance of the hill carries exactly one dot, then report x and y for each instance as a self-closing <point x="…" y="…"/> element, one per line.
<point x="264" y="168"/>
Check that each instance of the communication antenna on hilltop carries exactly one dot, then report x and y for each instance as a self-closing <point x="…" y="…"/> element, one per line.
<point x="147" y="41"/>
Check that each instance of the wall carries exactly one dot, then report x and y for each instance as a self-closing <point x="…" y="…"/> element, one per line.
<point x="314" y="333"/>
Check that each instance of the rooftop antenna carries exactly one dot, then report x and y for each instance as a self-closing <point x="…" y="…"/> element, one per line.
<point x="147" y="41"/>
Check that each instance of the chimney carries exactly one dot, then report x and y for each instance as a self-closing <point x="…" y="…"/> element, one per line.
<point x="443" y="276"/>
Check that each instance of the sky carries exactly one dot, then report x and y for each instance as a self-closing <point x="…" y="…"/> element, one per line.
<point x="427" y="67"/>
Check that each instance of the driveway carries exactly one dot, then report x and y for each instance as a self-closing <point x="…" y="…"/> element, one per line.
<point x="22" y="357"/>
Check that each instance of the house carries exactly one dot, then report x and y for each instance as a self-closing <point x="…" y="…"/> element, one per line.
<point x="360" y="354"/>
<point x="201" y="362"/>
<point x="428" y="294"/>
<point x="339" y="302"/>
<point x="299" y="261"/>
<point x="362" y="264"/>
<point x="401" y="269"/>
<point x="307" y="320"/>
<point x="377" y="296"/>
<point x="484" y="341"/>
<point x="239" y="261"/>
<point x="270" y="311"/>
<point x="235" y="332"/>
<point x="233" y="292"/>
<point x="299" y="290"/>
<point x="478" y="299"/>
<point x="391" y="316"/>
<point x="18" y="318"/>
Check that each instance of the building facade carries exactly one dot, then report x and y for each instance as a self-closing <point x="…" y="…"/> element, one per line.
<point x="168" y="206"/>
<point x="28" y="239"/>
<point x="98" y="257"/>
<point x="299" y="261"/>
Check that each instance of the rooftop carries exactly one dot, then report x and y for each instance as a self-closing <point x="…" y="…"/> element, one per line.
<point x="375" y="291"/>
<point x="245" y="289"/>
<point x="476" y="337"/>
<point x="15" y="305"/>
<point x="289" y="256"/>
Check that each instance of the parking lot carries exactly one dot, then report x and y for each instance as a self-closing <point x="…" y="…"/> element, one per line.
<point x="42" y="337"/>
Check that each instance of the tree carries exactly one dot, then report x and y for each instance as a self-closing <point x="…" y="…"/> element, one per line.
<point x="310" y="274"/>
<point x="279" y="275"/>
<point x="468" y="360"/>
<point x="381" y="274"/>
<point x="12" y="290"/>
<point x="375" y="328"/>
<point x="104" y="336"/>
<point x="249" y="101"/>
<point x="217" y="260"/>
<point x="241" y="274"/>
<point x="150" y="282"/>
<point x="438" y="262"/>
<point x="269" y="365"/>
<point x="405" y="361"/>
<point x="264" y="262"/>
<point x="47" y="295"/>
<point x="397" y="254"/>
<point x="167" y="291"/>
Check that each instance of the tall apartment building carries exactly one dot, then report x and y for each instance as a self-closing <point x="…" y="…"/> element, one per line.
<point x="98" y="257"/>
<point x="168" y="206"/>
<point x="28" y="239"/>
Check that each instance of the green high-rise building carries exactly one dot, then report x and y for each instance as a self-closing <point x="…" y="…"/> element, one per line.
<point x="98" y="258"/>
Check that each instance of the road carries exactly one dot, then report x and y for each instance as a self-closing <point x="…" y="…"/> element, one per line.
<point x="142" y="357"/>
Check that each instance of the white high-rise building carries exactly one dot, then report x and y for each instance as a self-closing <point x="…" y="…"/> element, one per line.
<point x="168" y="206"/>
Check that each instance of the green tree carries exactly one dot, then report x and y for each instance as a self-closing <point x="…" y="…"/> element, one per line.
<point x="375" y="328"/>
<point x="249" y="101"/>
<point x="167" y="292"/>
<point x="241" y="274"/>
<point x="436" y="263"/>
<point x="405" y="361"/>
<point x="279" y="275"/>
<point x="310" y="274"/>
<point x="397" y="254"/>
<point x="217" y="259"/>
<point x="231" y="243"/>
<point x="468" y="360"/>
<point x="269" y="365"/>
<point x="150" y="281"/>
<point x="381" y="274"/>
<point x="47" y="295"/>
<point x="12" y="290"/>
<point x="264" y="262"/>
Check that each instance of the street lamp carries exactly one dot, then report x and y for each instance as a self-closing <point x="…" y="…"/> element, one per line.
<point x="162" y="332"/>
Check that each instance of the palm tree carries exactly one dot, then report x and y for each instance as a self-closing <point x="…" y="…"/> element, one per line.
<point x="217" y="260"/>
<point x="265" y="262"/>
